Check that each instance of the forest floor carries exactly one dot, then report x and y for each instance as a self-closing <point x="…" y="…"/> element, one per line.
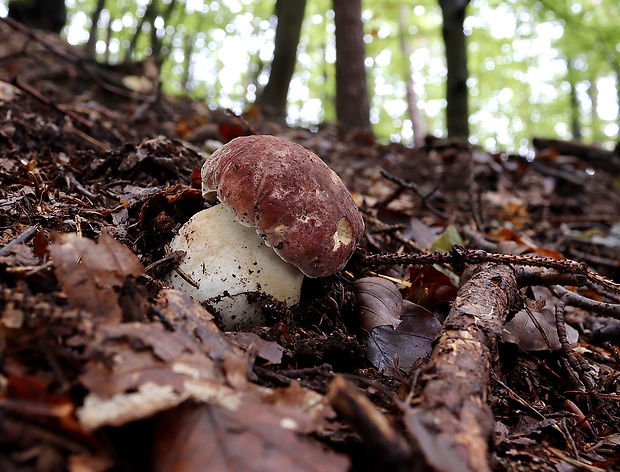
<point x="422" y="354"/>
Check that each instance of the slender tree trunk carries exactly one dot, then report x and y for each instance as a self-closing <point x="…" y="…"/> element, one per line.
<point x="595" y="121"/>
<point x="47" y="15"/>
<point x="456" y="60"/>
<point x="574" y="102"/>
<point x="412" y="100"/>
<point x="92" y="37"/>
<point x="290" y="14"/>
<point x="352" y="100"/>
<point x="188" y="51"/>
<point x="108" y="39"/>
<point x="149" y="17"/>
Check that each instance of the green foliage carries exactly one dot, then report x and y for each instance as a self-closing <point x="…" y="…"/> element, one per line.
<point x="518" y="53"/>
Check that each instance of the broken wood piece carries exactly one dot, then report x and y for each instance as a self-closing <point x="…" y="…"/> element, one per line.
<point x="595" y="156"/>
<point x="453" y="423"/>
<point x="389" y="449"/>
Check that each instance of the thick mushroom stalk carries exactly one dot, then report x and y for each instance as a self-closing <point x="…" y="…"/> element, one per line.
<point x="284" y="197"/>
<point x="229" y="262"/>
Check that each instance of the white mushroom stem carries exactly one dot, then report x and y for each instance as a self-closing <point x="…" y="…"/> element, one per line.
<point x="228" y="261"/>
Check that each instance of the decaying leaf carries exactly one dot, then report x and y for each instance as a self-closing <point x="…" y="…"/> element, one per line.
<point x="268" y="350"/>
<point x="391" y="350"/>
<point x="178" y="309"/>
<point x="91" y="273"/>
<point x="379" y="303"/>
<point x="523" y="332"/>
<point x="194" y="379"/>
<point x="149" y="370"/>
<point x="397" y="332"/>
<point x="430" y="287"/>
<point x="252" y="437"/>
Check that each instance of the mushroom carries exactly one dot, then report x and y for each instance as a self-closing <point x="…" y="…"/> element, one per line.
<point x="283" y="214"/>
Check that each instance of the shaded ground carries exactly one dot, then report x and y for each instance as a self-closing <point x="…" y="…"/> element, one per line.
<point x="104" y="368"/>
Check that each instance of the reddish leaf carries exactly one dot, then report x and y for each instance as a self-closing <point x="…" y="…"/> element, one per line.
<point x="228" y="131"/>
<point x="40" y="243"/>
<point x="429" y="287"/>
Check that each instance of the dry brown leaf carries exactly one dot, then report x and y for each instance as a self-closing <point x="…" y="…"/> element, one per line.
<point x="379" y="303"/>
<point x="253" y="437"/>
<point x="268" y="350"/>
<point x="523" y="332"/>
<point x="91" y="273"/>
<point x="180" y="310"/>
<point x="393" y="350"/>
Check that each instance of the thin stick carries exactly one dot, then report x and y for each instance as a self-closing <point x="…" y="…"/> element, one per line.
<point x="24" y="237"/>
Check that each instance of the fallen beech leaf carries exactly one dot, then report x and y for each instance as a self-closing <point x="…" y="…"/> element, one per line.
<point x="150" y="372"/>
<point x="253" y="437"/>
<point x="90" y="273"/>
<point x="391" y="350"/>
<point x="523" y="332"/>
<point x="268" y="350"/>
<point x="180" y="310"/>
<point x="379" y="303"/>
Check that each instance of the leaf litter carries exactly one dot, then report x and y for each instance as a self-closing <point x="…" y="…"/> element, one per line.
<point x="106" y="368"/>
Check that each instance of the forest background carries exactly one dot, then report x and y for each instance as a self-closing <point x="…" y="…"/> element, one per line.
<point x="532" y="67"/>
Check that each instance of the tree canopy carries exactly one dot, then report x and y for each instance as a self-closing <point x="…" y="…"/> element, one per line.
<point x="535" y="68"/>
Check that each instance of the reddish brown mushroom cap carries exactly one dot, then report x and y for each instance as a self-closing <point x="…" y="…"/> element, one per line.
<point x="298" y="205"/>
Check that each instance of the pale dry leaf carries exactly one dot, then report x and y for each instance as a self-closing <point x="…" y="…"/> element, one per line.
<point x="523" y="332"/>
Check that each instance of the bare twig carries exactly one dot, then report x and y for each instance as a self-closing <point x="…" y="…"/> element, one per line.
<point x="460" y="256"/>
<point x="414" y="188"/>
<point x="574" y="299"/>
<point x="23" y="237"/>
<point x="570" y="355"/>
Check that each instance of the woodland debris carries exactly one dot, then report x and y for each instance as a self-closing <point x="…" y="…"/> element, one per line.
<point x="452" y="414"/>
<point x="593" y="155"/>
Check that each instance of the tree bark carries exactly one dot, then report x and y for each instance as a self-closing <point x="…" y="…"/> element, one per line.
<point x="47" y="15"/>
<point x="92" y="37"/>
<point x="412" y="99"/>
<point x="457" y="112"/>
<point x="352" y="101"/>
<point x="290" y="16"/>
<point x="453" y="423"/>
<point x="574" y="102"/>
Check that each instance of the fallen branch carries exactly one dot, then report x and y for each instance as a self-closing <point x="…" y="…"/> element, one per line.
<point x="593" y="155"/>
<point x="453" y="424"/>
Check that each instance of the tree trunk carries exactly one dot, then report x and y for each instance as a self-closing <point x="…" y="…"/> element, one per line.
<point x="92" y="37"/>
<point x="574" y="102"/>
<point x="457" y="119"/>
<point x="352" y="101"/>
<point x="47" y="15"/>
<point x="290" y="16"/>
<point x="412" y="100"/>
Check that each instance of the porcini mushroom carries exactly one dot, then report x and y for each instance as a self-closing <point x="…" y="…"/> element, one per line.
<point x="283" y="214"/>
